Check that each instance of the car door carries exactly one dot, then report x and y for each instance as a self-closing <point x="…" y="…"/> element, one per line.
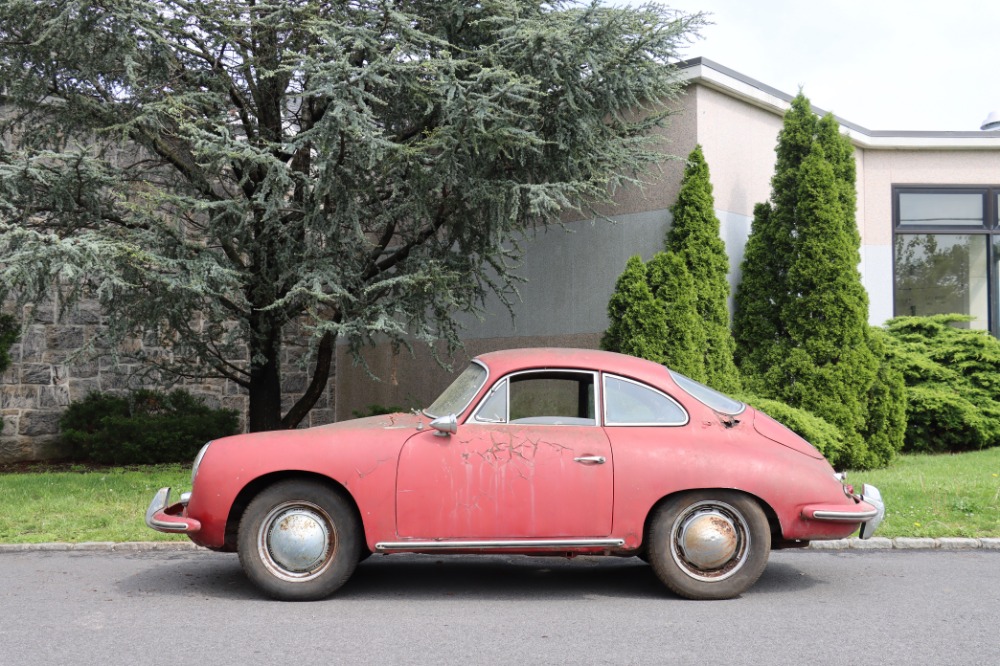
<point x="530" y="462"/>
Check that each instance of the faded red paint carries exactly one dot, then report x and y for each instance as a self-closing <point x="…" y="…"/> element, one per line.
<point x="493" y="481"/>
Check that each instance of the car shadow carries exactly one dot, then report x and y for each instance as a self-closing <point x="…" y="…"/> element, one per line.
<point x="190" y="574"/>
<point x="502" y="576"/>
<point x="425" y="577"/>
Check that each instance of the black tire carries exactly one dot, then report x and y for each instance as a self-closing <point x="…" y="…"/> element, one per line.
<point x="299" y="540"/>
<point x="709" y="544"/>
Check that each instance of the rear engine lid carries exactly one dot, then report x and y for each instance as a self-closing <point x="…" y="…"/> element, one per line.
<point x="774" y="431"/>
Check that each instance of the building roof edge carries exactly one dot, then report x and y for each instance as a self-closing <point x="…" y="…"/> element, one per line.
<point x="728" y="81"/>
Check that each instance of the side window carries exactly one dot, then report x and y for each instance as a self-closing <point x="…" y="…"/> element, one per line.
<point x="627" y="402"/>
<point x="541" y="398"/>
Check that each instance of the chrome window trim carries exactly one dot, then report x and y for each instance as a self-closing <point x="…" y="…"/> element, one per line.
<point x="482" y="403"/>
<point x="598" y="396"/>
<point x="673" y="378"/>
<point x="609" y="422"/>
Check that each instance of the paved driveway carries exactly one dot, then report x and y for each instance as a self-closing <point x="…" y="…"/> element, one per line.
<point x="810" y="607"/>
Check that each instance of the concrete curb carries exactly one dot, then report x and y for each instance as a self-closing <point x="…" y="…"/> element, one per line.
<point x="875" y="543"/>
<point x="102" y="547"/>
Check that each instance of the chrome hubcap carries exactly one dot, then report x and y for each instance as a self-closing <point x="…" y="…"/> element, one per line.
<point x="710" y="540"/>
<point x="296" y="541"/>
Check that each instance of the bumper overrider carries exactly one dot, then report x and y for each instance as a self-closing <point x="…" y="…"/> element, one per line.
<point x="163" y="516"/>
<point x="868" y="509"/>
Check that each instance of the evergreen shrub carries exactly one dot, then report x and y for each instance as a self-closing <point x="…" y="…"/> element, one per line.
<point x="801" y="321"/>
<point x="695" y="237"/>
<point x="638" y="321"/>
<point x="144" y="427"/>
<point x="952" y="377"/>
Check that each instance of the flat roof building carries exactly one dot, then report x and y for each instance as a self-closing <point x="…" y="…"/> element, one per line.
<point x="927" y="214"/>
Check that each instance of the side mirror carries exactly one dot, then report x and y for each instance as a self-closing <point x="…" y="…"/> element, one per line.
<point x="445" y="425"/>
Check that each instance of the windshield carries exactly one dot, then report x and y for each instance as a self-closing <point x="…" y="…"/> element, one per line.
<point x="710" y="397"/>
<point x="461" y="392"/>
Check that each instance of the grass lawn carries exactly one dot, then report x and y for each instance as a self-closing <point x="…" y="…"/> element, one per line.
<point x="102" y="505"/>
<point x="955" y="495"/>
<point x="926" y="496"/>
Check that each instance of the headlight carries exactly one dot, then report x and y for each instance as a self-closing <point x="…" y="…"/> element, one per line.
<point x="197" y="462"/>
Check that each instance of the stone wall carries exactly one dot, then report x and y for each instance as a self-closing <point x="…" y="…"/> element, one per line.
<point x="48" y="371"/>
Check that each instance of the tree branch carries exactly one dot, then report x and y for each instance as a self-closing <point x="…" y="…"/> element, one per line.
<point x="321" y="376"/>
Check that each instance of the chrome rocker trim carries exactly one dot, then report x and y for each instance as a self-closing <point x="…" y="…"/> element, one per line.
<point x="545" y="544"/>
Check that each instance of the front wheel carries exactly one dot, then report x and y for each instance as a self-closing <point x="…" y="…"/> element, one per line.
<point x="299" y="540"/>
<point x="709" y="544"/>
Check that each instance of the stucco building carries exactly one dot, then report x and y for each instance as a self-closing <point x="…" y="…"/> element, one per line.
<point x="927" y="213"/>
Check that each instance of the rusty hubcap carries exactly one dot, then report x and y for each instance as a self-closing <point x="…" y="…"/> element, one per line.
<point x="296" y="541"/>
<point x="710" y="540"/>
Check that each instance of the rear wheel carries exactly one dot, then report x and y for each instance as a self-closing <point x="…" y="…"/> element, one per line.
<point x="299" y="540"/>
<point x="709" y="544"/>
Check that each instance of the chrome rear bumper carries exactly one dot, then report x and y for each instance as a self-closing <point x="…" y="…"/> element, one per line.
<point x="871" y="495"/>
<point x="869" y="510"/>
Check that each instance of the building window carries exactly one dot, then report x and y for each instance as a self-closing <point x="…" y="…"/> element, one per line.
<point x="946" y="252"/>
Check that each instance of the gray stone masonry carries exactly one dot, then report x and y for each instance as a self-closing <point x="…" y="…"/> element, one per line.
<point x="48" y="371"/>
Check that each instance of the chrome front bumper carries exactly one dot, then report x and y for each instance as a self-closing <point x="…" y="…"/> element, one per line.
<point x="869" y="510"/>
<point x="165" y="517"/>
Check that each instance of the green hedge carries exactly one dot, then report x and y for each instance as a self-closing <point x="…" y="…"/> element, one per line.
<point x="144" y="427"/>
<point x="952" y="377"/>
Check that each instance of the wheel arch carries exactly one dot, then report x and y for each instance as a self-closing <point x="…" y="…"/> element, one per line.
<point x="772" y="516"/>
<point x="252" y="489"/>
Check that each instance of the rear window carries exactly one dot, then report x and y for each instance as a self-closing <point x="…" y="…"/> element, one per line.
<point x="720" y="402"/>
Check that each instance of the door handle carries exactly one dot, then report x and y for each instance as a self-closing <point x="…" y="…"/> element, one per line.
<point x="590" y="460"/>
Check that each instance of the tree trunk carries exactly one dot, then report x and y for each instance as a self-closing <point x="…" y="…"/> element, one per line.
<point x="265" y="383"/>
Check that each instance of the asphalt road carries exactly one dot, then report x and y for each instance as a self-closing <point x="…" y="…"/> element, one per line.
<point x="839" y="607"/>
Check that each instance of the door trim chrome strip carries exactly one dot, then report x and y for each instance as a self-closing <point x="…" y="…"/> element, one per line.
<point x="545" y="544"/>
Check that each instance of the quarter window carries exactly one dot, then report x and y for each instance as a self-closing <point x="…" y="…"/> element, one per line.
<point x="627" y="402"/>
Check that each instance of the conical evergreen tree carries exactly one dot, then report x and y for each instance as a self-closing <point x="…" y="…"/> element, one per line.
<point x="801" y="323"/>
<point x="674" y="289"/>
<point x="694" y="237"/>
<point x="761" y="294"/>
<point x="823" y="364"/>
<point x="638" y="322"/>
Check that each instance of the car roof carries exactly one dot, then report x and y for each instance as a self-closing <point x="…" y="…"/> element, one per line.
<point x="509" y="360"/>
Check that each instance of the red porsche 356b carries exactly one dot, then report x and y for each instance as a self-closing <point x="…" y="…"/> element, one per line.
<point x="531" y="451"/>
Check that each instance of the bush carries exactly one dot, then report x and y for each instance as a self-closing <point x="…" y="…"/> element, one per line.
<point x="638" y="322"/>
<point x="884" y="431"/>
<point x="941" y="421"/>
<point x="377" y="410"/>
<point x="143" y="428"/>
<point x="952" y="377"/>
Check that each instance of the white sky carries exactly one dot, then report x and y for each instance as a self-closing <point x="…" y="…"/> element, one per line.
<point x="881" y="64"/>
